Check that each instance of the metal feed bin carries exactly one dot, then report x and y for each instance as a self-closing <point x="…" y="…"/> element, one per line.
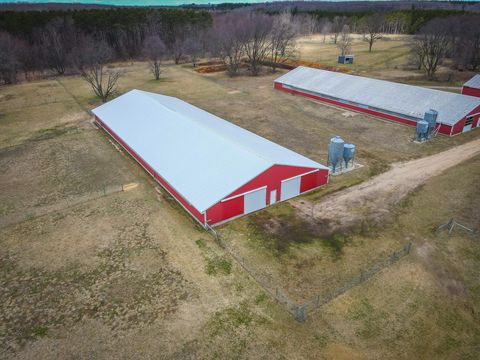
<point x="345" y="59"/>
<point x="348" y="154"/>
<point x="431" y="118"/>
<point x="335" y="152"/>
<point x="422" y="130"/>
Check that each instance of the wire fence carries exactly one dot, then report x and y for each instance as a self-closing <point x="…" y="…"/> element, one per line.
<point x="380" y="264"/>
<point x="300" y="311"/>
<point x="64" y="204"/>
<point x="263" y="279"/>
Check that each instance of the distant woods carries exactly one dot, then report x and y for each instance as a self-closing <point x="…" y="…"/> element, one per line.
<point x="84" y="41"/>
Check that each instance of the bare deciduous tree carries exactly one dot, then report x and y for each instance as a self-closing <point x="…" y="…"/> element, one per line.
<point x="431" y="45"/>
<point x="30" y="57"/>
<point x="325" y="26"/>
<point x="8" y="58"/>
<point x="226" y="41"/>
<point x="58" y="39"/>
<point x="154" y="50"/>
<point x="257" y="31"/>
<point x="193" y="47"/>
<point x="129" y="42"/>
<point x="92" y="66"/>
<point x="467" y="45"/>
<point x="282" y="41"/>
<point x="345" y="40"/>
<point x="337" y="26"/>
<point x="181" y="33"/>
<point x="372" y="27"/>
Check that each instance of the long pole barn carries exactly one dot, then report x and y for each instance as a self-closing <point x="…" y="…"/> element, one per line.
<point x="216" y="170"/>
<point x="402" y="103"/>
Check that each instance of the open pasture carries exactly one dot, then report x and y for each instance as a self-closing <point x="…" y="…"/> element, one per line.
<point x="130" y="273"/>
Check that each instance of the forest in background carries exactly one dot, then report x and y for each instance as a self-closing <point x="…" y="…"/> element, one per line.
<point x="83" y="41"/>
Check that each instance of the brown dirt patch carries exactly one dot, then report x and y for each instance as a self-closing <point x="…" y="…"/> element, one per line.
<point x="373" y="200"/>
<point x="443" y="271"/>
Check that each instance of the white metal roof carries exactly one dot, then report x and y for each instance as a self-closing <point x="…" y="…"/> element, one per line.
<point x="407" y="100"/>
<point x="474" y="82"/>
<point x="203" y="157"/>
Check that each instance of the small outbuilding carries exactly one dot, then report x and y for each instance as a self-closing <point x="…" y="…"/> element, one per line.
<point x="472" y="86"/>
<point x="406" y="104"/>
<point x="345" y="59"/>
<point x="216" y="170"/>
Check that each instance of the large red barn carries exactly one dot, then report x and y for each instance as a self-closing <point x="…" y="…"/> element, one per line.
<point x="402" y="103"/>
<point x="216" y="170"/>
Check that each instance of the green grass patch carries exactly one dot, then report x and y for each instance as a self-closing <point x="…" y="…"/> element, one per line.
<point x="280" y="228"/>
<point x="40" y="331"/>
<point x="227" y="320"/>
<point x="201" y="243"/>
<point x="321" y="340"/>
<point x="50" y="133"/>
<point x="261" y="298"/>
<point x="218" y="265"/>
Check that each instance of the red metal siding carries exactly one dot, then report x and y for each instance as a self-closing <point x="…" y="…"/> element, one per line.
<point x="272" y="179"/>
<point x="192" y="210"/>
<point x="279" y="86"/>
<point x="458" y="127"/>
<point x="470" y="91"/>
<point x="476" y="121"/>
<point x="313" y="180"/>
<point x="445" y="129"/>
<point x="225" y="210"/>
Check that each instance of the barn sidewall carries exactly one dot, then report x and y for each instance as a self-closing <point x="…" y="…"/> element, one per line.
<point x="470" y="91"/>
<point x="197" y="215"/>
<point x="444" y="129"/>
<point x="279" y="86"/>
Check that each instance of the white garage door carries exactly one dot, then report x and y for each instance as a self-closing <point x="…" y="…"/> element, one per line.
<point x="290" y="188"/>
<point x="255" y="200"/>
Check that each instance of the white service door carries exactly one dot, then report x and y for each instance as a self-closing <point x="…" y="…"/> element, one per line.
<point x="255" y="200"/>
<point x="290" y="188"/>
<point x="273" y="196"/>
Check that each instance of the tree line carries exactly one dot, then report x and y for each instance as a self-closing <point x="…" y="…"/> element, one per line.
<point x="85" y="41"/>
<point x="72" y="44"/>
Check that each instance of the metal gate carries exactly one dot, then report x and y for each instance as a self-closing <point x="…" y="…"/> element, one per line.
<point x="255" y="200"/>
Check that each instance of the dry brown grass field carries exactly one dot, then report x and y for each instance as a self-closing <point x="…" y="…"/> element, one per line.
<point x="129" y="275"/>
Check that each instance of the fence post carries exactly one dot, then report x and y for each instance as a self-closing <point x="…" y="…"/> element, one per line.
<point x="300" y="314"/>
<point x="409" y="247"/>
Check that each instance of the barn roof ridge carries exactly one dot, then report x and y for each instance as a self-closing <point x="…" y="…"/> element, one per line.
<point x="208" y="128"/>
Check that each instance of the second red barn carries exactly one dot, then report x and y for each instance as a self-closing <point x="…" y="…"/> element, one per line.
<point x="406" y="104"/>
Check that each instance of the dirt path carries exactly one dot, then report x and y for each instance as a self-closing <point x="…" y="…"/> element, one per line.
<point x="373" y="199"/>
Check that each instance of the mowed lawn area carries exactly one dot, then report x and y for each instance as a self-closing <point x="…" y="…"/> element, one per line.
<point x="129" y="274"/>
<point x="390" y="59"/>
